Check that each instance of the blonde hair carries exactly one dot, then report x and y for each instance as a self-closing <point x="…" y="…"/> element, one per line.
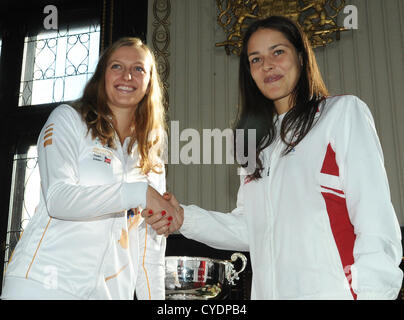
<point x="149" y="120"/>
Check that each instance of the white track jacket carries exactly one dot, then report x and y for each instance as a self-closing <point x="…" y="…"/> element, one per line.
<point x="320" y="223"/>
<point x="80" y="242"/>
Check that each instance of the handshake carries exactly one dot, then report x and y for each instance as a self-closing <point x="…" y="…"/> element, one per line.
<point x="163" y="213"/>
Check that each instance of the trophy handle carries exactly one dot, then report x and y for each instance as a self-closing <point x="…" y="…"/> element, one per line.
<point x="234" y="274"/>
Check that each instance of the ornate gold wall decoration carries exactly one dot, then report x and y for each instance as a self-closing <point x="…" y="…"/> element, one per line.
<point x="316" y="17"/>
<point x="161" y="41"/>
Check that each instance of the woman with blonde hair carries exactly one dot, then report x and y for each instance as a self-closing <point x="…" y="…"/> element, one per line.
<point x="100" y="163"/>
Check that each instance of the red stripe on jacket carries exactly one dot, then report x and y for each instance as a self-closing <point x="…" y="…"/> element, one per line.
<point x="341" y="226"/>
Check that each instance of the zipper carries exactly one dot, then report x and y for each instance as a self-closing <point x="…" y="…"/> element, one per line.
<point x="272" y="160"/>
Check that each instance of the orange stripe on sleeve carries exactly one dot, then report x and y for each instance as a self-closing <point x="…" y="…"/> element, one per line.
<point x="48" y="130"/>
<point x="48" y="135"/>
<point x="47" y="142"/>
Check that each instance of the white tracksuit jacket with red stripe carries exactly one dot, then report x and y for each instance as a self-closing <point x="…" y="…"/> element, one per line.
<point x="80" y="243"/>
<point x="320" y="223"/>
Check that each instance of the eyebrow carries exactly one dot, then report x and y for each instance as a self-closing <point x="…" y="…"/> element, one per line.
<point x="270" y="48"/>
<point x="120" y="61"/>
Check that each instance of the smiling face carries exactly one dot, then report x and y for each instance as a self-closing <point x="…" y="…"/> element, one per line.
<point x="127" y="77"/>
<point x="275" y="66"/>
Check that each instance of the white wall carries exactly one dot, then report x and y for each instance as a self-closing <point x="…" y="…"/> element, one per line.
<point x="367" y="62"/>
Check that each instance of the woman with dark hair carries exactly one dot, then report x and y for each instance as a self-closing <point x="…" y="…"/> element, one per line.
<point x="261" y="99"/>
<point x="100" y="163"/>
<point x="315" y="213"/>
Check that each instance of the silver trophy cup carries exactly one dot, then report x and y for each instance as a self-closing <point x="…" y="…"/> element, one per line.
<point x="196" y="278"/>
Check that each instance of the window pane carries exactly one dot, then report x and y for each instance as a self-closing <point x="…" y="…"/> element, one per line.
<point x="57" y="64"/>
<point x="25" y="191"/>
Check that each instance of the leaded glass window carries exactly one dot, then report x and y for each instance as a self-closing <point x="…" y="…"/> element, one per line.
<point x="57" y="64"/>
<point x="24" y="198"/>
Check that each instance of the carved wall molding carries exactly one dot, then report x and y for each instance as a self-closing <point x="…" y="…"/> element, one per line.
<point x="318" y="18"/>
<point x="161" y="42"/>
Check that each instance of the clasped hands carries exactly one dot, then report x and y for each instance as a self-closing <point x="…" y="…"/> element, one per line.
<point x="163" y="213"/>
